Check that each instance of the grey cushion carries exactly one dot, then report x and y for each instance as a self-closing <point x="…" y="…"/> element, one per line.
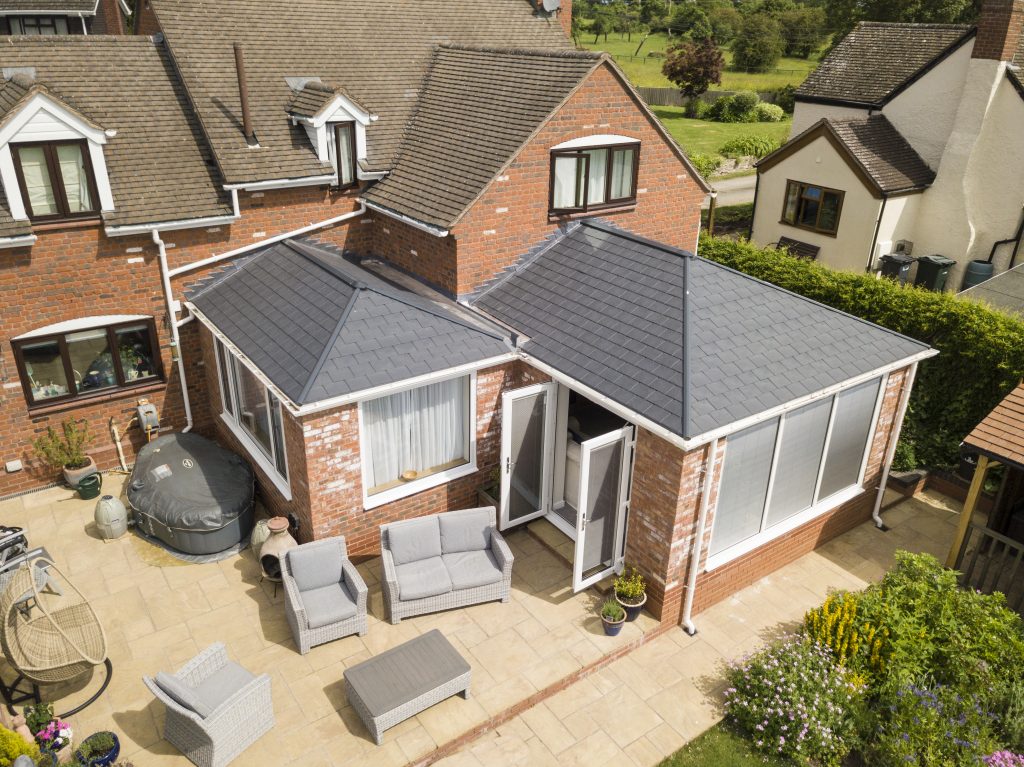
<point x="425" y="578"/>
<point x="315" y="565"/>
<point x="465" y="530"/>
<point x="327" y="604"/>
<point x="414" y="540"/>
<point x="221" y="685"/>
<point x="182" y="694"/>
<point x="469" y="569"/>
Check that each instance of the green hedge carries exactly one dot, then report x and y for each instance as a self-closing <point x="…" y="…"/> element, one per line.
<point x="981" y="349"/>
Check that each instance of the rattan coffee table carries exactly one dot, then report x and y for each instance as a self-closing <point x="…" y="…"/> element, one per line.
<point x="399" y="683"/>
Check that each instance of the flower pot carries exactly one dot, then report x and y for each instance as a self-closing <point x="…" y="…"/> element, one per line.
<point x="612" y="628"/>
<point x="74" y="475"/>
<point x="275" y="547"/>
<point x="106" y="759"/>
<point x="632" y="608"/>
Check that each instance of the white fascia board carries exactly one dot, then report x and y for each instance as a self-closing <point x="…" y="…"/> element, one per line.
<point x="41" y="102"/>
<point x="405" y="219"/>
<point x="600" y="139"/>
<point x="61" y="12"/>
<point x="283" y="183"/>
<point x="82" y="323"/>
<point x="169" y="226"/>
<point x="9" y="180"/>
<point x="17" y="242"/>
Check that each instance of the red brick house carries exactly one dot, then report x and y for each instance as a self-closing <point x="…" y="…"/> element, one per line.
<point x="389" y="267"/>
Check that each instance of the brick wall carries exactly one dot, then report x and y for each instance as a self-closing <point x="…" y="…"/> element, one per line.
<point x="999" y="29"/>
<point x="108" y="19"/>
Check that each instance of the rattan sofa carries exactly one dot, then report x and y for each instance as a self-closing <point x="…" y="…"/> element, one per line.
<point x="325" y="597"/>
<point x="215" y="708"/>
<point x="444" y="561"/>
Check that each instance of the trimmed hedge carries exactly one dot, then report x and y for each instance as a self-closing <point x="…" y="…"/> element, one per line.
<point x="981" y="349"/>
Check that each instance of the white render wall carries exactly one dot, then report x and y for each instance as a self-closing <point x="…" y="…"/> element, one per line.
<point x="819" y="163"/>
<point x="806" y="114"/>
<point x="899" y="222"/>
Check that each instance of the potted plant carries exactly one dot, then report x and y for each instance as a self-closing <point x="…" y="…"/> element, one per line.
<point x="612" y="616"/>
<point x="98" y="750"/>
<point x="52" y="735"/>
<point x="66" y="450"/>
<point x="631" y="592"/>
<point x="490" y="493"/>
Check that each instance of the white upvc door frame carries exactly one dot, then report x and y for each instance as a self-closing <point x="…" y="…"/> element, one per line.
<point x="549" y="392"/>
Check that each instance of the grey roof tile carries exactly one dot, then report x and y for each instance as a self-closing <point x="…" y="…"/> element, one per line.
<point x="86" y="7"/>
<point x="888" y="157"/>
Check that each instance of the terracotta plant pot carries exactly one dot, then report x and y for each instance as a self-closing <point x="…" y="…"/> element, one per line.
<point x="632" y="608"/>
<point x="74" y="476"/>
<point x="279" y="542"/>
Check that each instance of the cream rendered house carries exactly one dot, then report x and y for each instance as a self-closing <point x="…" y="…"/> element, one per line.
<point x="907" y="138"/>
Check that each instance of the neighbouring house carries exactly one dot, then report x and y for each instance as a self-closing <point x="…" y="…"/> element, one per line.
<point x="392" y="269"/>
<point x="906" y="139"/>
<point x="64" y="17"/>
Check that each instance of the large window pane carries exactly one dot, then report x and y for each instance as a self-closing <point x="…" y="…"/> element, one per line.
<point x="598" y="174"/>
<point x="829" y="218"/>
<point x="34" y="170"/>
<point x="853" y="421"/>
<point x="44" y="367"/>
<point x="225" y="377"/>
<point x="91" y="360"/>
<point x="75" y="178"/>
<point x="277" y="429"/>
<point x="345" y="150"/>
<point x="136" y="351"/>
<point x="252" y="406"/>
<point x="800" y="449"/>
<point x="416" y="433"/>
<point x="569" y="181"/>
<point x="622" y="173"/>
<point x="744" y="485"/>
<point x="792" y="201"/>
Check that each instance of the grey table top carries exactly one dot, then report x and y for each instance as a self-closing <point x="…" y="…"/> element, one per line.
<point x="402" y="674"/>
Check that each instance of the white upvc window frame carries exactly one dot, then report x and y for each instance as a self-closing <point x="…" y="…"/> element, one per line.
<point x="820" y="506"/>
<point x="434" y="480"/>
<point x="256" y="451"/>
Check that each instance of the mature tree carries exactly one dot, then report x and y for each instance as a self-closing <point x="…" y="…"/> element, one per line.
<point x="803" y="30"/>
<point x="689" y="20"/>
<point x="758" y="45"/>
<point x="725" y="21"/>
<point x="694" y="66"/>
<point x="601" y="26"/>
<point x="653" y="13"/>
<point x="843" y="15"/>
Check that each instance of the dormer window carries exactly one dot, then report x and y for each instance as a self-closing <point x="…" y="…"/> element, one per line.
<point x="56" y="180"/>
<point x="593" y="178"/>
<point x="345" y="154"/>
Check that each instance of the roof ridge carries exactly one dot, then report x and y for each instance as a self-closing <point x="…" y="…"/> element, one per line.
<point x="916" y="24"/>
<point x="561" y="53"/>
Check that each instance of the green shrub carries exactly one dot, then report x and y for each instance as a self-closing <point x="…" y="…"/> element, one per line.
<point x="12" y="745"/>
<point x="1009" y="703"/>
<point x="749" y="146"/>
<point x="793" y="699"/>
<point x="768" y="113"/>
<point x="706" y="164"/>
<point x="96" y="745"/>
<point x="728" y="110"/>
<point x="66" y="448"/>
<point x="981" y="349"/>
<point x="785" y="97"/>
<point x="631" y="585"/>
<point x="612" y="611"/>
<point x="855" y="642"/>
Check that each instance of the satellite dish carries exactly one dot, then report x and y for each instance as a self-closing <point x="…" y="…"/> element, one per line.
<point x="552" y="5"/>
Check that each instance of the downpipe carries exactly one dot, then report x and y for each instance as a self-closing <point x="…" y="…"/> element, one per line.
<point x="890" y="452"/>
<point x="698" y="541"/>
<point x="172" y="322"/>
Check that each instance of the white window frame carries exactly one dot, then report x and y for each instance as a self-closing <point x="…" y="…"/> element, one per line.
<point x="434" y="480"/>
<point x="820" y="506"/>
<point x="255" y="449"/>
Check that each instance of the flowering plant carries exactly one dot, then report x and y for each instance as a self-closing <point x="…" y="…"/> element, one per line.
<point x="54" y="736"/>
<point x="1004" y="759"/>
<point x="794" y="699"/>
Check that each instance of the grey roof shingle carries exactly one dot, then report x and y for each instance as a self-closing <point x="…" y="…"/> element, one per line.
<point x="477" y="108"/>
<point x="607" y="309"/>
<point x="378" y="52"/>
<point x="160" y="166"/>
<point x="877" y="59"/>
<point x="883" y="152"/>
<point x="86" y="7"/>
<point x="320" y="326"/>
<point x="1005" y="290"/>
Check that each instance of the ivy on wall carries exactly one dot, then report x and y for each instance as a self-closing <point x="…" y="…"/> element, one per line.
<point x="981" y="349"/>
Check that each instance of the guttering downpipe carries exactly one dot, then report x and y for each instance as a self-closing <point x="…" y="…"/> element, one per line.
<point x="165" y="278"/>
<point x="753" y="206"/>
<point x="1015" y="239"/>
<point x="874" y="237"/>
<point x="243" y="94"/>
<point x="890" y="452"/>
<point x="698" y="540"/>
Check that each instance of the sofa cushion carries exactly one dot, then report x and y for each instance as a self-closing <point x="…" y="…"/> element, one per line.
<point x="469" y="569"/>
<point x="315" y="565"/>
<point x="182" y="694"/>
<point x="468" y="530"/>
<point x="425" y="578"/>
<point x="222" y="684"/>
<point x="414" y="540"/>
<point x="327" y="604"/>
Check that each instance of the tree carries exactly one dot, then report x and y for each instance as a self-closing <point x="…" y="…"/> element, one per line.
<point x="694" y="66"/>
<point x="842" y="15"/>
<point x="601" y="25"/>
<point x="691" y="21"/>
<point x="758" y="45"/>
<point x="803" y="30"/>
<point x="725" y="21"/>
<point x="653" y="13"/>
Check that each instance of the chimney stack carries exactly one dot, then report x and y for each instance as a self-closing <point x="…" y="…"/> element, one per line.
<point x="243" y="94"/>
<point x="999" y="30"/>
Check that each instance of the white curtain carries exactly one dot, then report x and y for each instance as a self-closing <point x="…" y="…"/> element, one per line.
<point x="76" y="180"/>
<point x="416" y="430"/>
<point x="567" y="175"/>
<point x="346" y="171"/>
<point x="598" y="176"/>
<point x="37" y="181"/>
<point x="622" y="174"/>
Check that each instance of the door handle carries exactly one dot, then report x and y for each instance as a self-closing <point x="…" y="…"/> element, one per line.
<point x="508" y="464"/>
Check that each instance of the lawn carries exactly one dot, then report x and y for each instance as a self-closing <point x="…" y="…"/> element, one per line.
<point x="720" y="746"/>
<point x="646" y="71"/>
<point x="707" y="137"/>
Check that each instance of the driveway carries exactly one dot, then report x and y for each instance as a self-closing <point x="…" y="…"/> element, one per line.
<point x="733" y="191"/>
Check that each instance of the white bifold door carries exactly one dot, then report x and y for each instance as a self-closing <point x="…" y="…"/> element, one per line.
<point x="527" y="426"/>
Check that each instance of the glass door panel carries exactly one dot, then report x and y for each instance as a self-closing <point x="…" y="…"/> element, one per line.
<point x="526" y="434"/>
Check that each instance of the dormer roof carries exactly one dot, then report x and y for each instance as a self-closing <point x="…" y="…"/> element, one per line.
<point x="316" y="99"/>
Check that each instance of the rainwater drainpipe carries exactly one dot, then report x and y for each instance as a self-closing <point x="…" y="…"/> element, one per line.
<point x="891" y="450"/>
<point x="874" y="236"/>
<point x="172" y="321"/>
<point x="698" y="541"/>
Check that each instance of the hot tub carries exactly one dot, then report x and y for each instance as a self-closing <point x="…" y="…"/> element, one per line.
<point x="192" y="494"/>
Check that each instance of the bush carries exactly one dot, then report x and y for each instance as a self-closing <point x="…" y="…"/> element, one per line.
<point x="12" y="745"/>
<point x="856" y="643"/>
<point x="706" y="164"/>
<point x="793" y="699"/>
<point x="744" y="101"/>
<point x="66" y="448"/>
<point x="749" y="146"/>
<point x="785" y="97"/>
<point x="1004" y="759"/>
<point x="758" y="45"/>
<point x="982" y="349"/>
<point x="768" y="113"/>
<point x="726" y="110"/>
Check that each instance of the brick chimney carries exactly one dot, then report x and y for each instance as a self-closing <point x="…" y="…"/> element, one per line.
<point x="565" y="17"/>
<point x="999" y="29"/>
<point x="109" y="19"/>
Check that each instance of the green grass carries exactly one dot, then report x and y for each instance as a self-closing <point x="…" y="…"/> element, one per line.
<point x="646" y="71"/>
<point x="707" y="137"/>
<point x="720" y="746"/>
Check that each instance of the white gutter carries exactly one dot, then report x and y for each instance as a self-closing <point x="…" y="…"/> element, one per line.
<point x="283" y="183"/>
<point x="271" y="240"/>
<point x="698" y="541"/>
<point x="890" y="452"/>
<point x="185" y="223"/>
<point x="173" y="323"/>
<point x="406" y="220"/>
<point x="17" y="242"/>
